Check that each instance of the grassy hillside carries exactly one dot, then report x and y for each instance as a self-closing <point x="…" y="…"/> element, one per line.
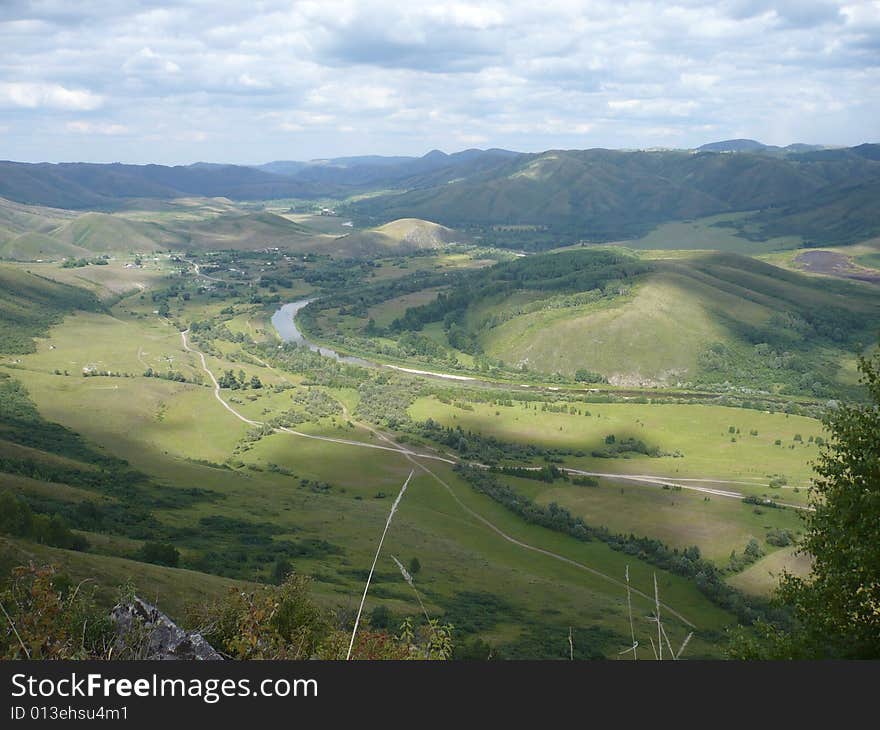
<point x="101" y="233"/>
<point x="834" y="217"/>
<point x="30" y="304"/>
<point x="707" y="318"/>
<point x="17" y="219"/>
<point x="36" y="246"/>
<point x="396" y="237"/>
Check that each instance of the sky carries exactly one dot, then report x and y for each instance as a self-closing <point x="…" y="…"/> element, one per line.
<point x="179" y="81"/>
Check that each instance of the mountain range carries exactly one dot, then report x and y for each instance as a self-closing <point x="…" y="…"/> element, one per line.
<point x="825" y="195"/>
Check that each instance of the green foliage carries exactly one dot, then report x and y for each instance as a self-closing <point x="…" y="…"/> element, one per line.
<point x="160" y="553"/>
<point x="837" y="607"/>
<point x="284" y="622"/>
<point x="17" y="519"/>
<point x="46" y="617"/>
<point x="615" y="448"/>
<point x="780" y="537"/>
<point x="269" y="622"/>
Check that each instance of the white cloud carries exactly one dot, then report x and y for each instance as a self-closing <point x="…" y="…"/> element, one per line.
<point x="36" y="95"/>
<point x="148" y="61"/>
<point x="279" y="79"/>
<point x="106" y="128"/>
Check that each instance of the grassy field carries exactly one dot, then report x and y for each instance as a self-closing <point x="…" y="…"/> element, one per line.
<point x="111" y="281"/>
<point x="701" y="433"/>
<point x="705" y="234"/>
<point x="763" y="577"/>
<point x="740" y="462"/>
<point x="679" y="518"/>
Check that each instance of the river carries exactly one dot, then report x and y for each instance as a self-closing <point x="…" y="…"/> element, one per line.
<point x="284" y="322"/>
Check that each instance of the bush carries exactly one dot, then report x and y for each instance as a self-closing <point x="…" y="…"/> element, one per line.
<point x="160" y="553"/>
<point x="52" y="619"/>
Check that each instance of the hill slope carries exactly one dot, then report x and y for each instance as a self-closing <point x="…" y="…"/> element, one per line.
<point x="707" y="319"/>
<point x="30" y="304"/>
<point x="405" y="235"/>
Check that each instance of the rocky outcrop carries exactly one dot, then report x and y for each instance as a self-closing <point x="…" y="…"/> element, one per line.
<point x="143" y="631"/>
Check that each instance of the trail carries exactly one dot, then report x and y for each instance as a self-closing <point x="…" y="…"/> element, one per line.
<point x="647" y="479"/>
<point x="411" y="457"/>
<point x="302" y="434"/>
<point x="526" y="546"/>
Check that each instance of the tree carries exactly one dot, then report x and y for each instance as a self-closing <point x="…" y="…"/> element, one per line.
<point x="414" y="566"/>
<point x="836" y="609"/>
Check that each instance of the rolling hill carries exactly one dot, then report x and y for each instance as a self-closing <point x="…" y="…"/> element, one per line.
<point x="30" y="304"/>
<point x="554" y="197"/>
<point x="101" y="233"/>
<point x="35" y="246"/>
<point x="405" y="235"/>
<point x="707" y="319"/>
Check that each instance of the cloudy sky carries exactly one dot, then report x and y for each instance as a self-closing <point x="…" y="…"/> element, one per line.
<point x="176" y="81"/>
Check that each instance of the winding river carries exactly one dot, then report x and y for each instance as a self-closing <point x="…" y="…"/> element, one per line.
<point x="284" y="322"/>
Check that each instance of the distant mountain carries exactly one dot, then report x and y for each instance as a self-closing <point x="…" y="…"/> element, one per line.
<point x="535" y="200"/>
<point x="606" y="194"/>
<point x="94" y="186"/>
<point x="753" y="146"/>
<point x="733" y="145"/>
<point x="82" y="186"/>
<point x="400" y="172"/>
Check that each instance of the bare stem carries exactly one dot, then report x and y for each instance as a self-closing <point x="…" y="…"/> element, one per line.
<point x="15" y="630"/>
<point x="409" y="579"/>
<point x="373" y="567"/>
<point x="632" y="631"/>
<point x="657" y="616"/>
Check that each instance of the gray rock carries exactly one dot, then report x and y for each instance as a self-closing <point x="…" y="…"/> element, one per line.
<point x="144" y="632"/>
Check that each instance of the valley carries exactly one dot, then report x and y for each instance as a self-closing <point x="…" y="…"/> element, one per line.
<point x="241" y="384"/>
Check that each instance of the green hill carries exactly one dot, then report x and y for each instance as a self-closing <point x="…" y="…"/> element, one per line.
<point x="33" y="246"/>
<point x="832" y="217"/>
<point x="30" y="304"/>
<point x="100" y="232"/>
<point x="248" y="231"/>
<point x="708" y="319"/>
<point x="17" y="219"/>
<point x="405" y="235"/>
